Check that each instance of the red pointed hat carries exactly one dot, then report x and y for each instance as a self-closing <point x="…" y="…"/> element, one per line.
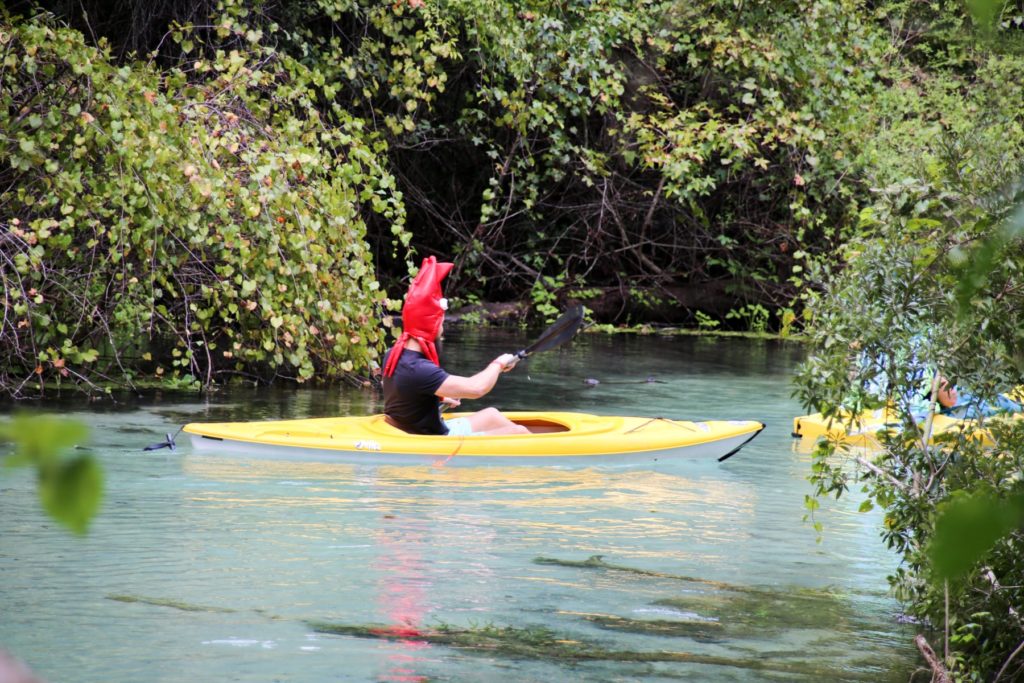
<point x="423" y="312"/>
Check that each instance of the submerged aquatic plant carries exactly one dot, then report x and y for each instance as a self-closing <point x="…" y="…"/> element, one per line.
<point x="545" y="644"/>
<point x="597" y="562"/>
<point x="173" y="604"/>
<point x="728" y="611"/>
<point x="541" y="643"/>
<point x="700" y="630"/>
<point x="761" y="612"/>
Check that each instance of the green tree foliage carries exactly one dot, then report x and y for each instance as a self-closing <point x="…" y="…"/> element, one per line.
<point x="933" y="284"/>
<point x="693" y="155"/>
<point x="656" y="146"/>
<point x="214" y="188"/>
<point x="890" y="320"/>
<point x="197" y="220"/>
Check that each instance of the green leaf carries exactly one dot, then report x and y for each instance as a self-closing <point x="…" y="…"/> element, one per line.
<point x="87" y="356"/>
<point x="39" y="439"/>
<point x="967" y="527"/>
<point x="985" y="12"/>
<point x="71" y="491"/>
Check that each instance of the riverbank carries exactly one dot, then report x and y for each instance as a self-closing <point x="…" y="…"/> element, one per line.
<point x="507" y="314"/>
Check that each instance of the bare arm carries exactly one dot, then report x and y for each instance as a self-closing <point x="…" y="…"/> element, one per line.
<point x="479" y="384"/>
<point x="947" y="393"/>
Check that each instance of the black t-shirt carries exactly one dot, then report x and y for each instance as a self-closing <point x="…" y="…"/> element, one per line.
<point x="409" y="397"/>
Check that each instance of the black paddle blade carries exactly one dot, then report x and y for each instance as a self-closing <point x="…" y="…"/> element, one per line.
<point x="168" y="442"/>
<point x="560" y="332"/>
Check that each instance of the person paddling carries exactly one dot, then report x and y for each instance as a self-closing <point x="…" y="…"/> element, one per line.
<point x="415" y="384"/>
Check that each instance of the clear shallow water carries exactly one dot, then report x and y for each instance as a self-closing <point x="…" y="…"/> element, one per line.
<point x="211" y="568"/>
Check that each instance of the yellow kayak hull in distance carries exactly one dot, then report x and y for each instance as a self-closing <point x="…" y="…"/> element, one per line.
<point x="871" y="426"/>
<point x="556" y="438"/>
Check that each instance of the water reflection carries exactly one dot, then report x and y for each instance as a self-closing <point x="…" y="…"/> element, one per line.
<point x="440" y="540"/>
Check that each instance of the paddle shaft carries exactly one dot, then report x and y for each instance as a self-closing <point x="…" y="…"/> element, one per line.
<point x="560" y="332"/>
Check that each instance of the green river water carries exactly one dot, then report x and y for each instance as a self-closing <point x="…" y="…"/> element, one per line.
<point x="203" y="568"/>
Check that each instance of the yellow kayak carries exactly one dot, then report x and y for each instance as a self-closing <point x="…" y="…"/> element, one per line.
<point x="870" y="426"/>
<point x="555" y="438"/>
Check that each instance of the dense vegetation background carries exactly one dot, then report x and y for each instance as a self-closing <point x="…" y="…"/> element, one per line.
<point x="192" y="191"/>
<point x="197" y="189"/>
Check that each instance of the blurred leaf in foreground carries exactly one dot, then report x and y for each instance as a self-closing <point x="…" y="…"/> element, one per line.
<point x="70" y="487"/>
<point x="968" y="526"/>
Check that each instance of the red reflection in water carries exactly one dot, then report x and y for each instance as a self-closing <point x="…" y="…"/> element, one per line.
<point x="403" y="597"/>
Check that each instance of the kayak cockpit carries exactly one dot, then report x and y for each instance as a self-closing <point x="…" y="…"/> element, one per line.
<point x="542" y="426"/>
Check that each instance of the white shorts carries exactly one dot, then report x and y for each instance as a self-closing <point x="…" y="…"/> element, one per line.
<point x="459" y="426"/>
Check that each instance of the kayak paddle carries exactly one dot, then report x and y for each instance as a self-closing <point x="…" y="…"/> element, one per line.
<point x="560" y="332"/>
